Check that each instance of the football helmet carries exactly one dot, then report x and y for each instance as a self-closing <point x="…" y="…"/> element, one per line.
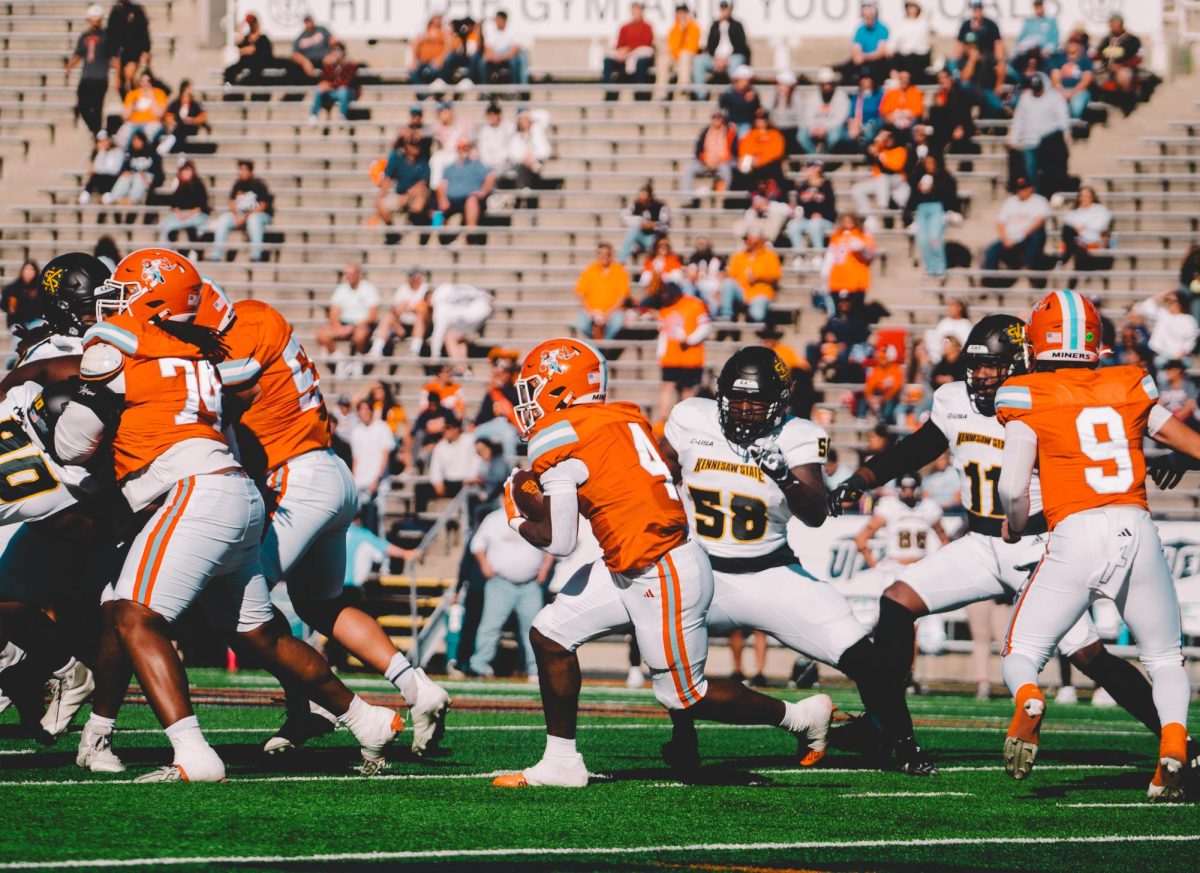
<point x="908" y="488"/>
<point x="996" y="342"/>
<point x="215" y="310"/>
<point x="153" y="285"/>
<point x="753" y="391"/>
<point x="1064" y="328"/>
<point x="68" y="288"/>
<point x="557" y="374"/>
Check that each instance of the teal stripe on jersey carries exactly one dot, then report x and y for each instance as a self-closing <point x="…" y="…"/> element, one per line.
<point x="1149" y="387"/>
<point x="113" y="335"/>
<point x="1015" y="397"/>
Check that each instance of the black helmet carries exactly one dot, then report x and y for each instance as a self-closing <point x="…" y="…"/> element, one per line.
<point x="68" y="288"/>
<point x="752" y="394"/>
<point x="995" y="341"/>
<point x="909" y="481"/>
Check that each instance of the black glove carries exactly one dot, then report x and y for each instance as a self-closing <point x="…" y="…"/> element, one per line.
<point x="1166" y="470"/>
<point x="848" y="492"/>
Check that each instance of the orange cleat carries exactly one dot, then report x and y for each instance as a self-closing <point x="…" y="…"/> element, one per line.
<point x="511" y="780"/>
<point x="1167" y="784"/>
<point x="1021" y="744"/>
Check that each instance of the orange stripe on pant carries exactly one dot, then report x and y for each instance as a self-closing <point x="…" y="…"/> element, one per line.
<point x="687" y="667"/>
<point x="281" y="475"/>
<point x="1017" y="610"/>
<point x="668" y="620"/>
<point x="141" y="570"/>
<point x="166" y="541"/>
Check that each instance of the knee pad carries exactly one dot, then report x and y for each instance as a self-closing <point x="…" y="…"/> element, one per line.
<point x="322" y="614"/>
<point x="671" y="696"/>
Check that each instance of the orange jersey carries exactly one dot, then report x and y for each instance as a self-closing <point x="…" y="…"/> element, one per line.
<point x="1089" y="426"/>
<point x="171" y="393"/>
<point x="628" y="496"/>
<point x="676" y="323"/>
<point x="288" y="418"/>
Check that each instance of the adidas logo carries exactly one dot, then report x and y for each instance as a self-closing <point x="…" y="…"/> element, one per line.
<point x="1125" y="533"/>
<point x="649" y="593"/>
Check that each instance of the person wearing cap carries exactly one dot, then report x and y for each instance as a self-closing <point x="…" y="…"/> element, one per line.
<point x="1177" y="392"/>
<point x="1072" y="74"/>
<point x="430" y="51"/>
<point x="408" y="315"/>
<point x="603" y="289"/>
<point x="93" y="76"/>
<point x="761" y="155"/>
<point x="982" y="32"/>
<point x="740" y="101"/>
<point x="848" y="256"/>
<point x="404" y="185"/>
<point x="1120" y="59"/>
<point x="888" y="160"/>
<point x="465" y="186"/>
<point x="496" y="420"/>
<point x="107" y="161"/>
<point x="869" y="46"/>
<point x="1040" y="30"/>
<point x="787" y="108"/>
<point x="683" y="43"/>
<point x="757" y="270"/>
<point x="127" y="42"/>
<point x="823" y="116"/>
<point x="503" y="51"/>
<point x="770" y="336"/>
<point x="725" y="49"/>
<point x="909" y="43"/>
<point x="189" y="206"/>
<point x="1022" y="226"/>
<point x="255" y="53"/>
<point x="311" y="46"/>
<point x="814" y="215"/>
<point x="632" y="56"/>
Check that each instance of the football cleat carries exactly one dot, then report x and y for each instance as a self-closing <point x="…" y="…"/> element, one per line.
<point x="565" y="772"/>
<point x="1167" y="784"/>
<point x="1067" y="694"/>
<point x="1021" y="744"/>
<point x="682" y="752"/>
<point x="297" y="730"/>
<point x="210" y="770"/>
<point x="428" y="714"/>
<point x="371" y="766"/>
<point x="95" y="752"/>
<point x="635" y="678"/>
<point x="813" y="732"/>
<point x="912" y="760"/>
<point x="67" y="695"/>
<point x="375" y="731"/>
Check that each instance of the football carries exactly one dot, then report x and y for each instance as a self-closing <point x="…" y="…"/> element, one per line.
<point x="527" y="494"/>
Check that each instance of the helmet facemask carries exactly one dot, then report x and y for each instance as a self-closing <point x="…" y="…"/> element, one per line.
<point x="744" y="418"/>
<point x="982" y="389"/>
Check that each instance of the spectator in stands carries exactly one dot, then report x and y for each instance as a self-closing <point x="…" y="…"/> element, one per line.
<point x="465" y="187"/>
<point x="516" y="573"/>
<point x="815" y="213"/>
<point x="848" y="256"/>
<point x="933" y="195"/>
<point x="1022" y="226"/>
<point x="1039" y="132"/>
<point x="881" y="390"/>
<point x="430" y="51"/>
<point x="311" y="46"/>
<point x="757" y="270"/>
<point x="106" y="251"/>
<point x="903" y="105"/>
<point x="706" y="279"/>
<point x="255" y="54"/>
<point x="143" y="111"/>
<point x="1189" y="272"/>
<point x="251" y="207"/>
<point x="443" y="393"/>
<point x="493" y="139"/>
<point x="950" y="368"/>
<point x="888" y="161"/>
<point x="496" y="420"/>
<point x="740" y="101"/>
<point x="454" y="461"/>
<point x="862" y="124"/>
<point x="1039" y="31"/>
<point x="189" y="206"/>
<point x="22" y="303"/>
<point x="913" y="408"/>
<point x="185" y="118"/>
<point x="1177" y="392"/>
<point x="404" y="186"/>
<point x="386" y="409"/>
<point x="93" y="77"/>
<point x="787" y="109"/>
<point x="951" y="118"/>
<point x="1173" y="330"/>
<point x="140" y="174"/>
<point x="683" y="45"/>
<point x="447" y="133"/>
<point x="353" y="313"/>
<point x="459" y="312"/>
<point x="979" y="61"/>
<point x="909" y="44"/>
<point x="1120" y="59"/>
<point x="107" y="161"/>
<point x="645" y="219"/>
<point x="764" y="216"/>
<point x="941" y="485"/>
<point x="603" y="288"/>
<point x="1071" y="71"/>
<point x="502" y="52"/>
<point x="823" y="121"/>
<point x="338" y="83"/>
<point x="529" y="149"/>
<point x="770" y="335"/>
<point x="726" y="48"/>
<point x="713" y="155"/>
<point x="632" y="57"/>
<point x="662" y="265"/>
<point x="408" y="315"/>
<point x="1086" y="229"/>
<point x="683" y="326"/>
<point x="761" y="154"/>
<point x="418" y="130"/>
<point x="955" y="323"/>
<point x="980" y="31"/>
<point x="371" y="445"/>
<point x="869" y="45"/>
<point x="127" y="42"/>
<point x="833" y="471"/>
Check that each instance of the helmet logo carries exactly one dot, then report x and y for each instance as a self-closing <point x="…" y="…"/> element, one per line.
<point x="552" y="358"/>
<point x="781" y="369"/>
<point x="745" y="385"/>
<point x="1016" y="333"/>
<point x="152" y="271"/>
<point x="51" y="279"/>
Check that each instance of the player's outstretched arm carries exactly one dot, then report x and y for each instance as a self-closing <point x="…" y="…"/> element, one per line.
<point x="43" y="372"/>
<point x="1016" y="472"/>
<point x="913" y="452"/>
<point x="1169" y="431"/>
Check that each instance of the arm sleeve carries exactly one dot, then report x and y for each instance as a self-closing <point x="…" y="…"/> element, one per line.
<point x="1016" y="471"/>
<point x="78" y="434"/>
<point x="911" y="453"/>
<point x="1158" y="417"/>
<point x="561" y="482"/>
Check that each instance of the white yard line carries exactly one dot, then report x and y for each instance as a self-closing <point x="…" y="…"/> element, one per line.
<point x="908" y="794"/>
<point x="1189" y="807"/>
<point x="593" y="851"/>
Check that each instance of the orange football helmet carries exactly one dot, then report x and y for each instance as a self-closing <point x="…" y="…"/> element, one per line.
<point x="1064" y="327"/>
<point x="215" y="310"/>
<point x="557" y="374"/>
<point x="152" y="285"/>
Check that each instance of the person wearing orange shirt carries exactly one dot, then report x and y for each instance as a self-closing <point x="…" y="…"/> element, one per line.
<point x="144" y="109"/>
<point x="603" y="288"/>
<point x="757" y="270"/>
<point x="683" y="42"/>
<point x="881" y="391"/>
<point x="661" y="266"/>
<point x="430" y="51"/>
<point x="903" y="105"/>
<point x="888" y="160"/>
<point x="847" y="265"/>
<point x="761" y="152"/>
<point x="442" y="391"/>
<point x="683" y="326"/>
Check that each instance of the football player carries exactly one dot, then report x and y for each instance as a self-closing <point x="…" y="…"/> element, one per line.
<point x="979" y="565"/>
<point x="283" y="435"/>
<point x="748" y="467"/>
<point x="600" y="459"/>
<point x="160" y="397"/>
<point x="1083" y="427"/>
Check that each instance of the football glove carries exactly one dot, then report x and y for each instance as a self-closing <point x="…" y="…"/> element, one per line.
<point x="515" y="519"/>
<point x="1166" y="470"/>
<point x="848" y="492"/>
<point x="770" y="459"/>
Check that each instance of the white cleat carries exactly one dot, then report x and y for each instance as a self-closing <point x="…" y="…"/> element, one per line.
<point x="428" y="714"/>
<point x="67" y="695"/>
<point x="636" y="678"/>
<point x="817" y="712"/>
<point x="1066" y="694"/>
<point x="95" y="752"/>
<point x="374" y="732"/>
<point x="1103" y="699"/>
<point x="201" y="766"/>
<point x="559" y="772"/>
<point x="5" y="702"/>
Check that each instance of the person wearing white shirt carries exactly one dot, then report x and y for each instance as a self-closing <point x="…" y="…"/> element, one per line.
<point x="408" y="316"/>
<point x="909" y="43"/>
<point x="493" y="140"/>
<point x="1022" y="226"/>
<point x="1085" y="230"/>
<point x="1173" y="332"/>
<point x="454" y="461"/>
<point x="353" y="312"/>
<point x="529" y="148"/>
<point x="501" y="49"/>
<point x="516" y="574"/>
<point x="955" y="323"/>
<point x="459" y="311"/>
<point x="371" y="445"/>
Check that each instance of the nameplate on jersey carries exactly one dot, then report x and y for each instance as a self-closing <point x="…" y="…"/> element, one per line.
<point x="964" y="437"/>
<point x="711" y="465"/>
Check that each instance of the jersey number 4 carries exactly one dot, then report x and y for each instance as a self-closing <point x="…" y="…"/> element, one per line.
<point x="650" y="459"/>
<point x="1114" y="450"/>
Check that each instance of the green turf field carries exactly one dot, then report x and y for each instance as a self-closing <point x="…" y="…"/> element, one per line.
<point x="1084" y="807"/>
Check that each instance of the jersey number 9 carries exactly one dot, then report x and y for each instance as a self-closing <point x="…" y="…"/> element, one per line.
<point x="1114" y="450"/>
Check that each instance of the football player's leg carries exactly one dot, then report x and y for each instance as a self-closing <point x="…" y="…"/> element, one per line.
<point x="113" y="670"/>
<point x="1115" y="675"/>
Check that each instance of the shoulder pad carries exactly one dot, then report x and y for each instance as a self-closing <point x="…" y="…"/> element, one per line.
<point x="552" y="444"/>
<point x="114" y="335"/>
<point x="1013" y="397"/>
<point x="100" y="361"/>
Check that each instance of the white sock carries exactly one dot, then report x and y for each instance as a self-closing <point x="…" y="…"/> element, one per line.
<point x="358" y="708"/>
<point x="102" y="724"/>
<point x="65" y="671"/>
<point x="792" y="718"/>
<point x="401" y="674"/>
<point x="185" y="736"/>
<point x="559" y="747"/>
